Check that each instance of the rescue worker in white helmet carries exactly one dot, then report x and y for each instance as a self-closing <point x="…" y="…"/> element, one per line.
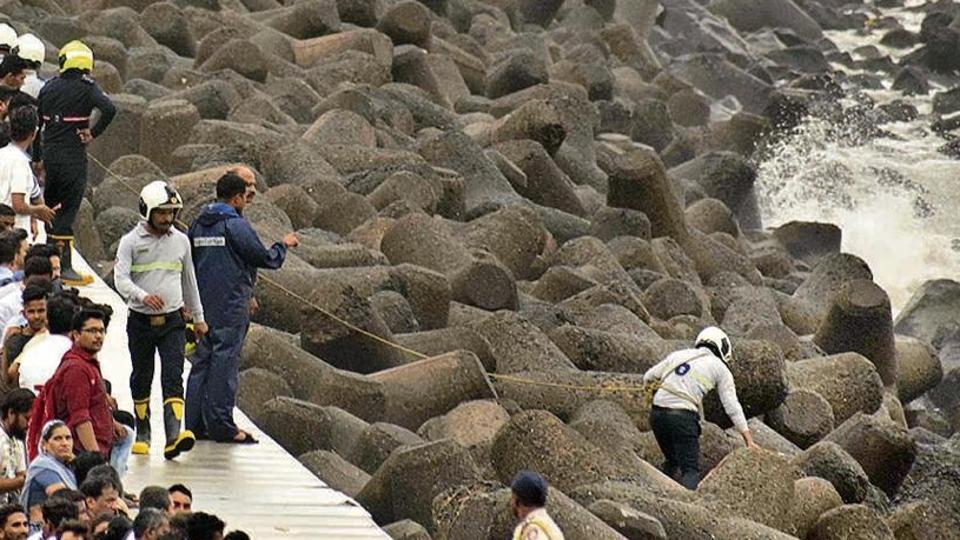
<point x="66" y="103"/>
<point x="155" y="273"/>
<point x="32" y="51"/>
<point x="685" y="377"/>
<point x="8" y="39"/>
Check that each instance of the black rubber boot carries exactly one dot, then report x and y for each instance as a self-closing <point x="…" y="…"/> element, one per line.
<point x="68" y="275"/>
<point x="178" y="441"/>
<point x="141" y="410"/>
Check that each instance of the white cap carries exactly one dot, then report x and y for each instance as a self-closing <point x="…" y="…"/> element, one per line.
<point x="8" y="36"/>
<point x="29" y="47"/>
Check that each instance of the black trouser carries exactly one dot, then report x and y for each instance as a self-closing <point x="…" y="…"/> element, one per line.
<point x="66" y="182"/>
<point x="145" y="338"/>
<point x="678" y="434"/>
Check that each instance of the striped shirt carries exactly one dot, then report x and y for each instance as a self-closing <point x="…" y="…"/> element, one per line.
<point x="161" y="265"/>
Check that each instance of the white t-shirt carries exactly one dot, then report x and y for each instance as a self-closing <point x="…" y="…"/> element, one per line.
<point x="16" y="176"/>
<point x="32" y="84"/>
<point x="40" y="359"/>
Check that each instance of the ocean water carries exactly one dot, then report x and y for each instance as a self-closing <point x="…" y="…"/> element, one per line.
<point x="896" y="198"/>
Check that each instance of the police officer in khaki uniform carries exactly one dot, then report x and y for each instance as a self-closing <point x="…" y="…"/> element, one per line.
<point x="529" y="498"/>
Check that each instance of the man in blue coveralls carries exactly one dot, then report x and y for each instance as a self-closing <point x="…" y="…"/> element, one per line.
<point x="227" y="253"/>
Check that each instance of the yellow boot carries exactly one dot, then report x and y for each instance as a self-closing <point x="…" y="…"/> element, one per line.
<point x="141" y="409"/>
<point x="178" y="441"/>
<point x="68" y="275"/>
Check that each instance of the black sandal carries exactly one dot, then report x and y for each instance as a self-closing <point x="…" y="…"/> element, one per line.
<point x="247" y="439"/>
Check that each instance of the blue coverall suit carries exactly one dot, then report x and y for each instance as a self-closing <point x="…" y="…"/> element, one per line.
<point x="226" y="253"/>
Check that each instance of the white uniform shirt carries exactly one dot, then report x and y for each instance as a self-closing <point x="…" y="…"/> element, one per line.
<point x="161" y="265"/>
<point x="32" y="84"/>
<point x="538" y="525"/>
<point x="694" y="372"/>
<point x="16" y="176"/>
<point x="40" y="359"/>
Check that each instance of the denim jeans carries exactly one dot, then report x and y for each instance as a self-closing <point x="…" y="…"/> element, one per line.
<point x="120" y="453"/>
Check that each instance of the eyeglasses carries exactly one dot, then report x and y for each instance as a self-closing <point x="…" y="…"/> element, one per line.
<point x="94" y="331"/>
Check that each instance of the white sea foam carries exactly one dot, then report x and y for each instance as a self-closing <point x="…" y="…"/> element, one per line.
<point x="896" y="199"/>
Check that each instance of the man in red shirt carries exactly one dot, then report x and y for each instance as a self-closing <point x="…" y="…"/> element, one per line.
<point x="80" y="397"/>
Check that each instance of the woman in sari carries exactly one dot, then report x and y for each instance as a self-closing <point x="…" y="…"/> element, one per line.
<point x="50" y="471"/>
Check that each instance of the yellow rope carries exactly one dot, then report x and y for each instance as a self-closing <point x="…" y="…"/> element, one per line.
<point x="386" y="342"/>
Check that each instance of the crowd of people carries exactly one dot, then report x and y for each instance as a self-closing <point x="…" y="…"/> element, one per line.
<point x="97" y="511"/>
<point x="65" y="442"/>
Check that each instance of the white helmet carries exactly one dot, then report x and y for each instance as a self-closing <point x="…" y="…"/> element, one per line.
<point x="717" y="340"/>
<point x="8" y="36"/>
<point x="30" y="48"/>
<point x="159" y="194"/>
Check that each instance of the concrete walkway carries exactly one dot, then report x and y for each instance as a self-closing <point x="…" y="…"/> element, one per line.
<point x="260" y="489"/>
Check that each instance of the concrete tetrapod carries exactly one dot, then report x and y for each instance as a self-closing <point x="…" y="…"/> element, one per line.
<point x="828" y="277"/>
<point x="516" y="235"/>
<point x="812" y="497"/>
<point x="538" y="440"/>
<point x="444" y="340"/>
<point x="312" y="379"/>
<point x="804" y="418"/>
<point x="760" y="374"/>
<point x="885" y="450"/>
<point x="301" y="427"/>
<point x="848" y="381"/>
<point x="607" y="351"/>
<point x="639" y="181"/>
<point x="554" y="395"/>
<point x="918" y="368"/>
<point x="546" y="183"/>
<point x="851" y="521"/>
<point x="476" y="280"/>
<point x="932" y="314"/>
<point x="427" y="388"/>
<point x="336" y="472"/>
<point x="427" y="292"/>
<point x="860" y="320"/>
<point x="753" y="484"/>
<point x="340" y="345"/>
<point x="809" y="241"/>
<point x="407" y="482"/>
<point x="829" y="461"/>
<point x="518" y="345"/>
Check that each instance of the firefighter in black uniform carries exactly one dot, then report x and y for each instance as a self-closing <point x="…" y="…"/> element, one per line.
<point x="66" y="104"/>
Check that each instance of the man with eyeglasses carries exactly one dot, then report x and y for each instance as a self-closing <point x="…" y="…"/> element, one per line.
<point x="79" y="395"/>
